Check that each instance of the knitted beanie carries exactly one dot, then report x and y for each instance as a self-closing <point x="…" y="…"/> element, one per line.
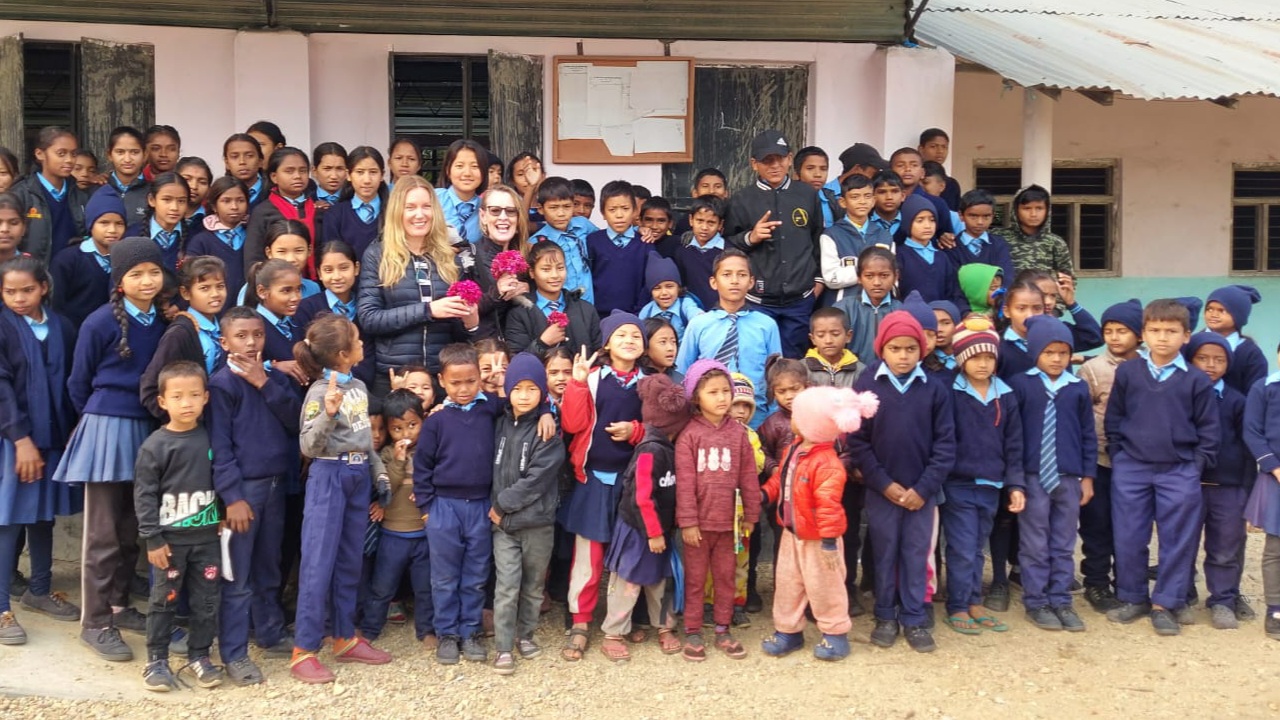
<point x="525" y="366"/>
<point x="130" y="253"/>
<point x="1194" y="306"/>
<point x="898" y="323"/>
<point x="913" y="206"/>
<point x="658" y="269"/>
<point x="663" y="404"/>
<point x="697" y="370"/>
<point x="1127" y="313"/>
<point x="1207" y="337"/>
<point x="615" y="320"/>
<point x="1043" y="331"/>
<point x="743" y="389"/>
<point x="921" y="311"/>
<point x="102" y="204"/>
<point x="973" y="337"/>
<point x="824" y="413"/>
<point x="1238" y="300"/>
<point x="947" y="307"/>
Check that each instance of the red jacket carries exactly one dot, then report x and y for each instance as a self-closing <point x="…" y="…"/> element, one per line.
<point x="817" y="485"/>
<point x="712" y="462"/>
<point x="578" y="417"/>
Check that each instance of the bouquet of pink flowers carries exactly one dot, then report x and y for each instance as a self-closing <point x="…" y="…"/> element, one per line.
<point x="468" y="290"/>
<point x="508" y="262"/>
<point x="558" y="318"/>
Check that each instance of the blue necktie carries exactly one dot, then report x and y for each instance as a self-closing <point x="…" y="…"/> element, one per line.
<point x="145" y="319"/>
<point x="1049" y="445"/>
<point x="326" y="197"/>
<point x="286" y="327"/>
<point x="341" y="308"/>
<point x="465" y="211"/>
<point x="620" y="240"/>
<point x="233" y="238"/>
<point x="669" y="316"/>
<point x="553" y="306"/>
<point x="727" y="355"/>
<point x="165" y="239"/>
<point x="365" y="212"/>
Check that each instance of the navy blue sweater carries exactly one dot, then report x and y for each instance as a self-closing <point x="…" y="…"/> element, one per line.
<point x="991" y="436"/>
<point x="254" y="431"/>
<point x="206" y="242"/>
<point x="618" y="273"/>
<point x="1262" y="425"/>
<point x="912" y="438"/>
<point x="1248" y="365"/>
<point x="342" y="223"/>
<point x="1175" y="421"/>
<point x="79" y="285"/>
<point x="614" y="403"/>
<point x="102" y="382"/>
<point x="936" y="281"/>
<point x="1013" y="360"/>
<point x="696" y="266"/>
<point x="995" y="253"/>
<point x="1076" y="439"/>
<point x="1236" y="465"/>
<point x="454" y="458"/>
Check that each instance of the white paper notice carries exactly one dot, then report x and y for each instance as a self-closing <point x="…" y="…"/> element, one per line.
<point x="572" y="114"/>
<point x="620" y="139"/>
<point x="226" y="556"/>
<point x="608" y="90"/>
<point x="659" y="135"/>
<point x="660" y="88"/>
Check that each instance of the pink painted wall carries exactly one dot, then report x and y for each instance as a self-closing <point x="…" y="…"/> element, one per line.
<point x="1174" y="160"/>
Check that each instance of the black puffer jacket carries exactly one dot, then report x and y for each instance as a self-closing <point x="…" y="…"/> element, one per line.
<point x="526" y="473"/>
<point x="39" y="239"/>
<point x="399" y="321"/>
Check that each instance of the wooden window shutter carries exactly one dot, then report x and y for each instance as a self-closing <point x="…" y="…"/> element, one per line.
<point x="11" y="130"/>
<point x="515" y="105"/>
<point x="117" y="87"/>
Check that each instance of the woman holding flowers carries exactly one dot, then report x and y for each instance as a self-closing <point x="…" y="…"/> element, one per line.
<point x="501" y="268"/>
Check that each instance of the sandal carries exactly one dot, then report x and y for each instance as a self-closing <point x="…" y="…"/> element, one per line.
<point x="573" y="650"/>
<point x="669" y="642"/>
<point x="987" y="622"/>
<point x="637" y="636"/>
<point x="694" y="649"/>
<point x="614" y="647"/>
<point x="964" y="626"/>
<point x="726" y="644"/>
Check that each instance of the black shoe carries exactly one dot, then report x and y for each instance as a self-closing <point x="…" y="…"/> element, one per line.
<point x="740" y="618"/>
<point x="1015" y="578"/>
<point x="1165" y="623"/>
<point x="1193" y="597"/>
<point x="1071" y="621"/>
<point x="856" y="608"/>
<point x="18" y="584"/>
<point x="755" y="603"/>
<point x="1101" y="598"/>
<point x="929" y="620"/>
<point x="997" y="598"/>
<point x="131" y="620"/>
<point x="1271" y="626"/>
<point x="447" y="651"/>
<point x="886" y="633"/>
<point x="1153" y="573"/>
<point x="157" y="677"/>
<point x="708" y="615"/>
<point x="207" y="674"/>
<point x="920" y="639"/>
<point x="244" y="672"/>
<point x="473" y="649"/>
<point x="1044" y="618"/>
<point x="1128" y="612"/>
<point x="1244" y="611"/>
<point x="1076" y="587"/>
<point x="107" y="643"/>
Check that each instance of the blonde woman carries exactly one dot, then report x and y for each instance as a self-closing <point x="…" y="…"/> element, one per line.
<point x="504" y="225"/>
<point x="403" y="280"/>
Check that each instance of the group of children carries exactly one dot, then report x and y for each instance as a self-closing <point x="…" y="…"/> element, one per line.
<point x="638" y="400"/>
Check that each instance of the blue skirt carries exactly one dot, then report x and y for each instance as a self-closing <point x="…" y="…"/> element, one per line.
<point x="103" y="448"/>
<point x="629" y="556"/>
<point x="1262" y="510"/>
<point x="25" y="503"/>
<point x="591" y="508"/>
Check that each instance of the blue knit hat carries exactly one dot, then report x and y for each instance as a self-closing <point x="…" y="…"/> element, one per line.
<point x="615" y="320"/>
<point x="911" y="207"/>
<point x="658" y="269"/>
<point x="525" y="366"/>
<point x="1043" y="331"/>
<point x="101" y="204"/>
<point x="1207" y="337"/>
<point x="1127" y="313"/>
<point x="1238" y="300"/>
<point x="947" y="307"/>
<point x="920" y="310"/>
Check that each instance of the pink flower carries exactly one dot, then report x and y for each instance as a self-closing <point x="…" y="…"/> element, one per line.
<point x="467" y="290"/>
<point x="508" y="262"/>
<point x="558" y="318"/>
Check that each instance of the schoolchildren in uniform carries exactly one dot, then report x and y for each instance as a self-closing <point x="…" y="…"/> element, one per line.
<point x="328" y="178"/>
<point x="464" y="180"/>
<point x="54" y="205"/>
<point x="13" y="225"/>
<point x="1156" y="466"/>
<point x="811" y="167"/>
<point x="845" y="239"/>
<point x="192" y="335"/>
<point x="904" y="453"/>
<point x="167" y="197"/>
<point x="1224" y="489"/>
<point x="178" y="515"/>
<point x="889" y="194"/>
<point x="36" y="417"/>
<point x="1022" y="301"/>
<point x="656" y="217"/>
<point x="1060" y="302"/>
<point x="356" y="220"/>
<point x="199" y="177"/>
<point x="242" y="156"/>
<point x="253" y="425"/>
<point x="222" y="231"/>
<point x="125" y="148"/>
<point x="947" y="317"/>
<point x="924" y="268"/>
<point x="669" y="302"/>
<point x="555" y="201"/>
<point x="82" y="277"/>
<point x="1226" y="312"/>
<point x="830" y="362"/>
<point x="277" y="286"/>
<point x="554" y="316"/>
<point x="989" y="428"/>
<point x="335" y="435"/>
<point x="1122" y="333"/>
<point x="289" y="240"/>
<point x="337" y="267"/>
<point x="696" y="250"/>
<point x="617" y="255"/>
<point x="1262" y="436"/>
<point x="114" y="346"/>
<point x="1060" y="449"/>
<point x="288" y="170"/>
<point x="974" y="244"/>
<point x="866" y="304"/>
<point x="661" y="347"/>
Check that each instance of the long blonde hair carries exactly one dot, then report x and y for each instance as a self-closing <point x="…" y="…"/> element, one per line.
<point x="521" y="240"/>
<point x="395" y="244"/>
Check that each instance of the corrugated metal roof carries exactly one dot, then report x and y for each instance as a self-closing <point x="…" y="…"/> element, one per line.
<point x="1142" y="57"/>
<point x="1178" y="9"/>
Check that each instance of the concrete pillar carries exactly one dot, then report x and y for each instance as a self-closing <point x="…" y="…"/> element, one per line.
<point x="919" y="93"/>
<point x="272" y="82"/>
<point x="1037" y="139"/>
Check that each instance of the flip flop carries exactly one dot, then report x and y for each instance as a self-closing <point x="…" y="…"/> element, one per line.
<point x="572" y="651"/>
<point x="614" y="647"/>
<point x="964" y="626"/>
<point x="986" y="622"/>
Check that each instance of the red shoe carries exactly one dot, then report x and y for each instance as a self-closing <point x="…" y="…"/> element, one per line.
<point x="360" y="651"/>
<point x="308" y="668"/>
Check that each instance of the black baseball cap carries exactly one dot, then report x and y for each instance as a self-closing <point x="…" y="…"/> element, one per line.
<point x="861" y="154"/>
<point x="769" y="142"/>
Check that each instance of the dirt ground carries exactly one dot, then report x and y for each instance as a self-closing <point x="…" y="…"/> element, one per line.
<point x="1110" y="671"/>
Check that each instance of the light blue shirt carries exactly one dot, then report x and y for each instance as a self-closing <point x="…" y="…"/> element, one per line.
<point x="452" y="207"/>
<point x="573" y="241"/>
<point x="164" y="238"/>
<point x="143" y="317"/>
<point x="343" y="378"/>
<point x="684" y="309"/>
<point x="758" y="338"/>
<point x="715" y="243"/>
<point x="926" y="251"/>
<point x="974" y="244"/>
<point x="948" y="361"/>
<point x="1234" y="340"/>
<point x="1054" y="386"/>
<point x="208" y="332"/>
<point x="104" y="261"/>
<point x="375" y="203"/>
<point x="233" y="238"/>
<point x="1012" y="336"/>
<point x="890" y="225"/>
<point x="58" y="195"/>
<point x="902" y="385"/>
<point x="1273" y="378"/>
<point x="1163" y="372"/>
<point x="256" y="189"/>
<point x="309" y="287"/>
<point x="332" y="301"/>
<point x="39" y="328"/>
<point x="621" y="239"/>
<point x="331" y="198"/>
<point x="272" y="319"/>
<point x="866" y="300"/>
<point x="466" y="408"/>
<point x="1219" y="386"/>
<point x="545" y="305"/>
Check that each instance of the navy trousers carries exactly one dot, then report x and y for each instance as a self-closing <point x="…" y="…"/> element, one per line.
<point x="900" y="542"/>
<point x="967" y="517"/>
<point x="1096" y="541"/>
<point x="853" y="502"/>
<point x="1047" y="542"/>
<point x="333" y="524"/>
<point x="40" y="544"/>
<point x="254" y="596"/>
<point x="1169" y="496"/>
<point x="461" y="545"/>
<point x="396" y="553"/>
<point x="793" y="325"/>
<point x="1222" y="520"/>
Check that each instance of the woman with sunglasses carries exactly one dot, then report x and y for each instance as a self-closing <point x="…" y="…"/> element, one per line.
<point x="504" y="225"/>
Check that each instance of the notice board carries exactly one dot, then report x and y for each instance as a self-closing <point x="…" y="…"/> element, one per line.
<point x="626" y="109"/>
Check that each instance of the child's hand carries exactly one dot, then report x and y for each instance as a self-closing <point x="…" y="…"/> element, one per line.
<point x="657" y="545"/>
<point x="1086" y="490"/>
<point x="159" y="557"/>
<point x="333" y="396"/>
<point x="495" y="517"/>
<point x="249" y="367"/>
<point x="946" y="241"/>
<point x="239" y="516"/>
<point x="831" y="558"/>
<point x="582" y="364"/>
<point x="1017" y="501"/>
<point x="398" y="382"/>
<point x="170" y="311"/>
<point x="1067" y="289"/>
<point x="1276" y="474"/>
<point x="894" y="493"/>
<point x="647" y="235"/>
<point x="912" y="500"/>
<point x="375" y="512"/>
<point x="28" y="463"/>
<point x="293" y="370"/>
<point x="552" y="336"/>
<point x="401" y="449"/>
<point x="546" y="427"/>
<point x="692" y="536"/>
<point x="620" y="431"/>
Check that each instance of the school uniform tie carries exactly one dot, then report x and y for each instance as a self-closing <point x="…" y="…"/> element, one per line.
<point x="1049" y="445"/>
<point x="670" y="316"/>
<point x="341" y="308"/>
<point x="727" y="355"/>
<point x="365" y="212"/>
<point x="145" y="319"/>
<point x="166" y="239"/>
<point x="465" y="211"/>
<point x="553" y="306"/>
<point x="285" y="325"/>
<point x="233" y="238"/>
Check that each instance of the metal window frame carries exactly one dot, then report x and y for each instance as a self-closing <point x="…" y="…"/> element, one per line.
<point x="1262" y="209"/>
<point x="72" y="47"/>
<point x="465" y="61"/>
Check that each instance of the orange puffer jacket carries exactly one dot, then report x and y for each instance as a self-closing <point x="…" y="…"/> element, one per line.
<point x="817" y="485"/>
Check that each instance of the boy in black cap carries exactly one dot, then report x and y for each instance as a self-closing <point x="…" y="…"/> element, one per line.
<point x="778" y="222"/>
